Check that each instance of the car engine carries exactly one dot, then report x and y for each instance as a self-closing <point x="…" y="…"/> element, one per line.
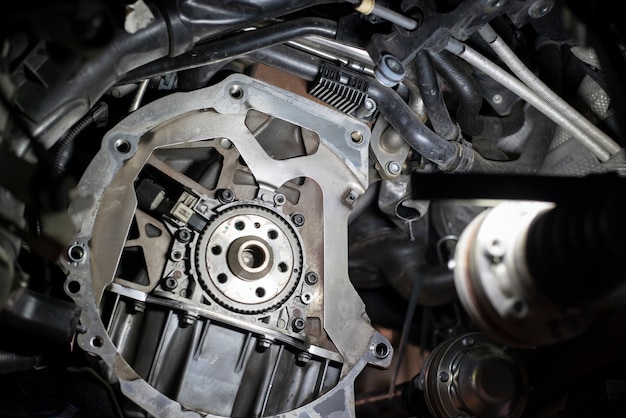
<point x="310" y="208"/>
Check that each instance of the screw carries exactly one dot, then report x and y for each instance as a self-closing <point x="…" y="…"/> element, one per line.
<point x="279" y="199"/>
<point x="497" y="98"/>
<point x="183" y="235"/>
<point x="297" y="219"/>
<point x="311" y="278"/>
<point x="187" y="320"/>
<point x="263" y="344"/>
<point x="303" y="358"/>
<point x="298" y="324"/>
<point x="444" y="377"/>
<point x="369" y="104"/>
<point x="467" y="342"/>
<point x="394" y="168"/>
<point x="169" y="283"/>
<point x="225" y="195"/>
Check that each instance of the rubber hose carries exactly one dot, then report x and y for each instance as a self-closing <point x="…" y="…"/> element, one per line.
<point x="433" y="99"/>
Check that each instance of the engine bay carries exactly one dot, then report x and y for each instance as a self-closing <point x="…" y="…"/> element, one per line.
<point x="312" y="209"/>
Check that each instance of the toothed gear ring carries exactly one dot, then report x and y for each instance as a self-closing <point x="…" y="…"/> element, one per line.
<point x="249" y="259"/>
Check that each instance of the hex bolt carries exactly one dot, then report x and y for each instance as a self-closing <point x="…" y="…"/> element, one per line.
<point x="311" y="278"/>
<point x="297" y="219"/>
<point x="444" y="377"/>
<point x="279" y="199"/>
<point x="263" y="344"/>
<point x="303" y="358"/>
<point x="169" y="283"/>
<point x="298" y="324"/>
<point x="394" y="168"/>
<point x="369" y="104"/>
<point x="183" y="235"/>
<point x="187" y="320"/>
<point x="225" y="195"/>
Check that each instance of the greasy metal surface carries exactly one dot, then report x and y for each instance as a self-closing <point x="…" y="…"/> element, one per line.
<point x="107" y="202"/>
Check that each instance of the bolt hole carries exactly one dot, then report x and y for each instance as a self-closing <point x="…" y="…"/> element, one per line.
<point x="177" y="255"/>
<point x="282" y="267"/>
<point x="239" y="226"/>
<point x="260" y="292"/>
<point x="222" y="278"/>
<point x="236" y="92"/>
<point x="73" y="287"/>
<point x="216" y="250"/>
<point x="272" y="234"/>
<point x="122" y="146"/>
<point x="381" y="350"/>
<point x="97" y="342"/>
<point x="257" y="225"/>
<point x="76" y="253"/>
<point x="357" y="137"/>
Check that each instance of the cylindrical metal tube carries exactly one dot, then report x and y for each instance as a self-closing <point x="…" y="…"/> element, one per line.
<point x="488" y="67"/>
<point x="533" y="82"/>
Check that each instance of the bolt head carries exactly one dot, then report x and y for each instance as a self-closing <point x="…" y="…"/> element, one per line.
<point x="297" y="219"/>
<point x="225" y="195"/>
<point x="298" y="324"/>
<point x="394" y="168"/>
<point x="467" y="342"/>
<point x="263" y="344"/>
<point x="279" y="199"/>
<point x="303" y="358"/>
<point x="183" y="235"/>
<point x="187" y="320"/>
<point x="311" y="278"/>
<point x="444" y="377"/>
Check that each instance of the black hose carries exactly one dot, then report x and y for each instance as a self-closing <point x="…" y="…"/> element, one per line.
<point x="64" y="149"/>
<point x="11" y="362"/>
<point x="459" y="77"/>
<point x="449" y="156"/>
<point x="235" y="45"/>
<point x="532" y="157"/>
<point x="433" y="99"/>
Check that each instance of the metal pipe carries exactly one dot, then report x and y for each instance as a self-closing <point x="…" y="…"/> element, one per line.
<point x="498" y="74"/>
<point x="542" y="90"/>
<point x="143" y="86"/>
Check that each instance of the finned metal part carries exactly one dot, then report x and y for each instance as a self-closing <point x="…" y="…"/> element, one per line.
<point x="339" y="88"/>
